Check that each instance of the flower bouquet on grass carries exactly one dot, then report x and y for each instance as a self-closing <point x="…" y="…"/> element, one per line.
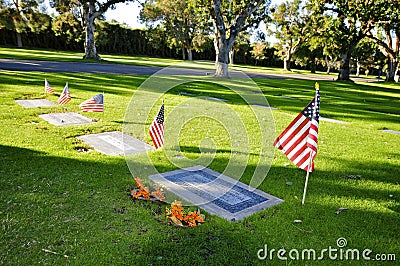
<point x="176" y="214"/>
<point x="180" y="217"/>
<point x="142" y="192"/>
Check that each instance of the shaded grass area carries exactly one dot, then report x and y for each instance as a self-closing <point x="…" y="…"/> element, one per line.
<point x="53" y="198"/>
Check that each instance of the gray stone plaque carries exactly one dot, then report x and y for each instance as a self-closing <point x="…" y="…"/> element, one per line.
<point x="115" y="143"/>
<point x="215" y="99"/>
<point x="391" y="131"/>
<point x="264" y="106"/>
<point x="215" y="193"/>
<point x="185" y="93"/>
<point x="66" y="119"/>
<point x="35" y="103"/>
<point x="333" y="120"/>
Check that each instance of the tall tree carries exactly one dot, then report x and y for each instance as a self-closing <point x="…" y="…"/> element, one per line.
<point x="327" y="39"/>
<point x="387" y="36"/>
<point x="292" y="23"/>
<point x="21" y="16"/>
<point x="258" y="51"/>
<point x="91" y="10"/>
<point x="69" y="23"/>
<point x="364" y="55"/>
<point x="229" y="19"/>
<point x="184" y="28"/>
<point x="355" y="19"/>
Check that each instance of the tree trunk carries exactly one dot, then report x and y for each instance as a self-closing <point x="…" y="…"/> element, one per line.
<point x="328" y="71"/>
<point x="222" y="61"/>
<point x="392" y="71"/>
<point x="183" y="54"/>
<point x="90" y="46"/>
<point x="190" y="54"/>
<point x="313" y="65"/>
<point x="19" y="40"/>
<point x="358" y="68"/>
<point x="231" y="55"/>
<point x="344" y="72"/>
<point x="286" y="62"/>
<point x="216" y="47"/>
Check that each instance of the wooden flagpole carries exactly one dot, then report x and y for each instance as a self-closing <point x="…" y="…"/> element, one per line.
<point x="310" y="162"/>
<point x="306" y="183"/>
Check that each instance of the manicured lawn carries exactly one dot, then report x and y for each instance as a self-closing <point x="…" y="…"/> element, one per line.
<point x="59" y="206"/>
<point x="68" y="56"/>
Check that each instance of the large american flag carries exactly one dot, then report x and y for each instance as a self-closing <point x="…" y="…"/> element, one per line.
<point x="299" y="141"/>
<point x="156" y="129"/>
<point x="94" y="104"/>
<point x="65" y="96"/>
<point x="47" y="87"/>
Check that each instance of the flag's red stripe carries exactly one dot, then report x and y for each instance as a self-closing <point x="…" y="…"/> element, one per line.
<point x="64" y="99"/>
<point x="299" y="151"/>
<point x="155" y="141"/>
<point x="291" y="124"/>
<point x="284" y="139"/>
<point x="157" y="134"/>
<point x="299" y="139"/>
<point x="304" y="161"/>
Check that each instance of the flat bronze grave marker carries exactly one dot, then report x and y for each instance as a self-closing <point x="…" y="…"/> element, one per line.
<point x="215" y="193"/>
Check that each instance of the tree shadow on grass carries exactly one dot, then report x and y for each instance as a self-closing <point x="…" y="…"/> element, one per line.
<point x="79" y="207"/>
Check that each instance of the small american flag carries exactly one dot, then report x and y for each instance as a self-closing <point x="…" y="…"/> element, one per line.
<point x="47" y="87"/>
<point x="157" y="129"/>
<point x="94" y="104"/>
<point x="65" y="96"/>
<point x="299" y="141"/>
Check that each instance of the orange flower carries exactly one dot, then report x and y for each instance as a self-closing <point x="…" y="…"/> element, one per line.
<point x="193" y="218"/>
<point x="177" y="210"/>
<point x="141" y="191"/>
<point x="158" y="194"/>
<point x="139" y="183"/>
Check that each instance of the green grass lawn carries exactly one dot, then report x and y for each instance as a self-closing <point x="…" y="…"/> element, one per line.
<point x="59" y="206"/>
<point x="68" y="56"/>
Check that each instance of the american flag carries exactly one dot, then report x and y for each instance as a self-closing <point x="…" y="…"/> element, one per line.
<point x="299" y="141"/>
<point x="65" y="96"/>
<point x="47" y="87"/>
<point x="94" y="104"/>
<point x="156" y="129"/>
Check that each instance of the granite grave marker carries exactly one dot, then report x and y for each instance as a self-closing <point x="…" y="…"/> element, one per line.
<point x="115" y="143"/>
<point x="35" y="103"/>
<point x="215" y="193"/>
<point x="66" y="119"/>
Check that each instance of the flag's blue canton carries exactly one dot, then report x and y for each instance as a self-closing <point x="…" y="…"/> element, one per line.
<point x="98" y="98"/>
<point x="160" y="116"/>
<point x="308" y="111"/>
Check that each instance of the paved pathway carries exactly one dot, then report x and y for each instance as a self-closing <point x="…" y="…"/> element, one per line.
<point x="98" y="68"/>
